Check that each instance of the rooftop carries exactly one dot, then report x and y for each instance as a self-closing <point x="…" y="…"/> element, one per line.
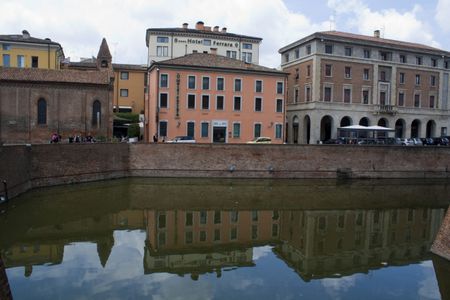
<point x="25" y="37"/>
<point x="213" y="61"/>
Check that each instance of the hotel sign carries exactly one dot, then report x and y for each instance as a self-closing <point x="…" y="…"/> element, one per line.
<point x="202" y="42"/>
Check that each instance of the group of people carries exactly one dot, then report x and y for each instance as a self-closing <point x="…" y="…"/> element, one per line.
<point x="56" y="138"/>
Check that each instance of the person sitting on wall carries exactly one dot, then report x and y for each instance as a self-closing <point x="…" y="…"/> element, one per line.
<point x="155" y="138"/>
<point x="54" y="138"/>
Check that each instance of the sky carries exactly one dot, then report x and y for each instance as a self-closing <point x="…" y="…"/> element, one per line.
<point x="79" y="26"/>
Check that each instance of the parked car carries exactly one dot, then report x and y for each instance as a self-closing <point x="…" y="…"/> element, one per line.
<point x="417" y="142"/>
<point x="427" y="142"/>
<point x="404" y="142"/>
<point x="182" y="139"/>
<point x="440" y="141"/>
<point x="261" y="140"/>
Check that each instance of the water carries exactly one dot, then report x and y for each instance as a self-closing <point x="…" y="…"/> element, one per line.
<point x="226" y="239"/>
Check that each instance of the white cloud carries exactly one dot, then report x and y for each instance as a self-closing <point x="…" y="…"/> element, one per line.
<point x="260" y="252"/>
<point x="443" y="14"/>
<point x="336" y="286"/>
<point x="356" y="16"/>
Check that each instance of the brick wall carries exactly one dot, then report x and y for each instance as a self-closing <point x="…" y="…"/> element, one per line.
<point x="441" y="245"/>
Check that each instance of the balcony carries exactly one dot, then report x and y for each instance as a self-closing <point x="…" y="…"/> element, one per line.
<point x="385" y="109"/>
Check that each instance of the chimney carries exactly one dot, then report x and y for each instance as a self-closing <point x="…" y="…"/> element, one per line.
<point x="25" y="34"/>
<point x="376" y="33"/>
<point x="185" y="25"/>
<point x="216" y="28"/>
<point x="224" y="30"/>
<point x="200" y="25"/>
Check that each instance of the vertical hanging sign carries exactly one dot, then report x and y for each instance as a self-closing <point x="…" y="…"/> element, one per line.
<point x="178" y="96"/>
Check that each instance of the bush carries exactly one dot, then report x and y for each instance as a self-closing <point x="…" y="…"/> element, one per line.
<point x="133" y="130"/>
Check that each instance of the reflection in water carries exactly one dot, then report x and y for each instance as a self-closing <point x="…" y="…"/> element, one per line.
<point x="318" y="229"/>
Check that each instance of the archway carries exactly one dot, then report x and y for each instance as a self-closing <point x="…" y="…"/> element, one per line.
<point x="307" y="126"/>
<point x="326" y="125"/>
<point x="400" y="128"/>
<point x="346" y="121"/>
<point x="295" y="126"/>
<point x="383" y="122"/>
<point x="415" y="128"/>
<point x="364" y="122"/>
<point x="431" y="129"/>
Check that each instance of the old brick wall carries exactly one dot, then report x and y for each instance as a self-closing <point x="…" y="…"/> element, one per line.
<point x="441" y="245"/>
<point x="15" y="169"/>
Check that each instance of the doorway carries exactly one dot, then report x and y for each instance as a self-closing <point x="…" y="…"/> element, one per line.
<point x="219" y="134"/>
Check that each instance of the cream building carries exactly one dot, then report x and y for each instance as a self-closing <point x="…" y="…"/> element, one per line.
<point x="168" y="43"/>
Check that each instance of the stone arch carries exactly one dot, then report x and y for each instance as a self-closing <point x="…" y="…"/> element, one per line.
<point x="326" y="127"/>
<point x="307" y="129"/>
<point x="415" y="128"/>
<point x="400" y="125"/>
<point x="364" y="121"/>
<point x="383" y="122"/>
<point x="346" y="121"/>
<point x="295" y="129"/>
<point x="431" y="129"/>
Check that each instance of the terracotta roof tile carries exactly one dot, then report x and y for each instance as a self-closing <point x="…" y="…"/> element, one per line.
<point x="215" y="61"/>
<point x="55" y="76"/>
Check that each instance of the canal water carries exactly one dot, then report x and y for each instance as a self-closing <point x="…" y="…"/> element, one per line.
<point x="225" y="239"/>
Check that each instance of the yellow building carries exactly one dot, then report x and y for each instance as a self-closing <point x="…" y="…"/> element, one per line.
<point x="129" y="88"/>
<point x="25" y="51"/>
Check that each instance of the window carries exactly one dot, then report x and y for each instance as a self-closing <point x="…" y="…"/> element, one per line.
<point x="6" y="60"/>
<point x="205" y="129"/>
<point x="297" y="53"/>
<point x="348" y="72"/>
<point x="329" y="49"/>
<point x="433" y="80"/>
<point x="254" y="215"/>
<point x="162" y="51"/>
<point x="418" y="60"/>
<point x="233" y="233"/>
<point x="124" y="75"/>
<point x="205" y="102"/>
<point x="365" y="96"/>
<point x="202" y="236"/>
<point x="20" y="61"/>
<point x="216" y="234"/>
<point x="191" y="82"/>
<point x="308" y="70"/>
<point x="296" y="95"/>
<point x="231" y="54"/>
<point x="403" y="59"/>
<point x="258" y="86"/>
<point x="163" y="100"/>
<point x="366" y="53"/>
<point x="6" y="47"/>
<point x="205" y="83"/>
<point x="190" y="129"/>
<point x="189" y="218"/>
<point x="308" y="93"/>
<point x="383" y="75"/>
<point x="188" y="237"/>
<point x="434" y="62"/>
<point x="327" y="94"/>
<point x="308" y="49"/>
<point x="432" y="101"/>
<point x="385" y="55"/>
<point x="162" y="39"/>
<point x="348" y="51"/>
<point x="417" y="100"/>
<point x="286" y="57"/>
<point x="279" y="108"/>
<point x="42" y="112"/>
<point x="257" y="131"/>
<point x="279" y="88"/>
<point x="191" y="101"/>
<point x="163" y="128"/>
<point x="417" y="79"/>
<point x="35" y="62"/>
<point x="96" y="113"/>
<point x="366" y="74"/>
<point x="401" y="99"/>
<point x="278" y="131"/>
<point x="247" y="57"/>
<point x="237" y="85"/>
<point x="206" y="42"/>
<point x="347" y="95"/>
<point x="247" y="46"/>
<point x="236" y="130"/>
<point x="220" y="84"/>
<point x="402" y="78"/>
<point x="328" y="70"/>
<point x="258" y="104"/>
<point x="217" y="217"/>
<point x="446" y="64"/>
<point x="164" y="81"/>
<point x="219" y="102"/>
<point x="237" y="103"/>
<point x="123" y="92"/>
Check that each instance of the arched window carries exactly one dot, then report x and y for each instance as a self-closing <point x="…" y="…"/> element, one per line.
<point x="42" y="112"/>
<point x="104" y="64"/>
<point x="96" y="113"/>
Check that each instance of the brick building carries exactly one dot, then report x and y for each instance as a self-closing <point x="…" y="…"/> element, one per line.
<point x="36" y="103"/>
<point x="216" y="99"/>
<point x="339" y="79"/>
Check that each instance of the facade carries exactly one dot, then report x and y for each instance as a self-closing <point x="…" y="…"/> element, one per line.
<point x="25" y="51"/>
<point x="339" y="79"/>
<point x="214" y="99"/>
<point x="168" y="43"/>
<point x="36" y="103"/>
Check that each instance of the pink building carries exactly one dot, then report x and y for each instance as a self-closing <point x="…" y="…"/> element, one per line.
<point x="215" y="99"/>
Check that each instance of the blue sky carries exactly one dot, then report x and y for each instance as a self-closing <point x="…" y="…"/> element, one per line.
<point x="80" y="25"/>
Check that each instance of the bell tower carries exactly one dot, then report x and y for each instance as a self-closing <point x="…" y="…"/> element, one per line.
<point x="104" y="58"/>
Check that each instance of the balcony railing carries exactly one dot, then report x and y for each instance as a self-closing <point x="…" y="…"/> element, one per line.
<point x="385" y="109"/>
